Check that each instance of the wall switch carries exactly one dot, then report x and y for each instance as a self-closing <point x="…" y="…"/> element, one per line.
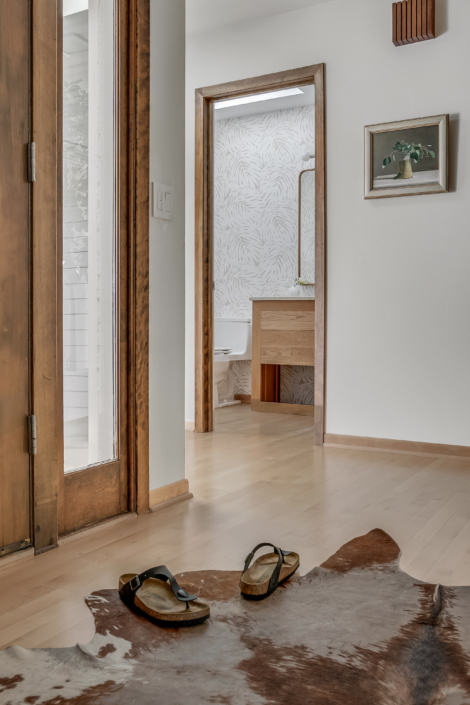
<point x="162" y="201"/>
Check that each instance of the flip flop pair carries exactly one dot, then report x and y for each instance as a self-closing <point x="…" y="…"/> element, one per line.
<point x="157" y="596"/>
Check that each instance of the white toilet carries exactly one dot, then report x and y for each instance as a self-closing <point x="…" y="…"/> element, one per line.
<point x="232" y="341"/>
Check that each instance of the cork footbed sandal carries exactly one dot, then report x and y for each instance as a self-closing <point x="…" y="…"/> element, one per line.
<point x="267" y="572"/>
<point x="158" y="597"/>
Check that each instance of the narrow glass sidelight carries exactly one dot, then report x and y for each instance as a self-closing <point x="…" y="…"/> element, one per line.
<point x="89" y="234"/>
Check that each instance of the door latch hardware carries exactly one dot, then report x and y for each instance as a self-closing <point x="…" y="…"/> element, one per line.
<point x="32" y="435"/>
<point x="32" y="162"/>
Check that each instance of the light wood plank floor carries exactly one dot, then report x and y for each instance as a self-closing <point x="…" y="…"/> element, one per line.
<point x="258" y="477"/>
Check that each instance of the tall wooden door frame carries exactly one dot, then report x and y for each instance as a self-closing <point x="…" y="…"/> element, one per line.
<point x="132" y="158"/>
<point x="204" y="314"/>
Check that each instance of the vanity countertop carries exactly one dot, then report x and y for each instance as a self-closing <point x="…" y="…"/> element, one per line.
<point x="282" y="298"/>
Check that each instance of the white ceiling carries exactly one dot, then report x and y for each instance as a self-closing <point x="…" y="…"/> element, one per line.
<point x="204" y="15"/>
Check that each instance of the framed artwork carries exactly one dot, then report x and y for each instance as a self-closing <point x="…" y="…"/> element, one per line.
<point x="406" y="158"/>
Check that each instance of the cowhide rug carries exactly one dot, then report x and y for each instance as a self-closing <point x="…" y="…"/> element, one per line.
<point x="356" y="631"/>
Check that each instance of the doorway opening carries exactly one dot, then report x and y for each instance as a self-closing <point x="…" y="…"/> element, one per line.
<point x="260" y="236"/>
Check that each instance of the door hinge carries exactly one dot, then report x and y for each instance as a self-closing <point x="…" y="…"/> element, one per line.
<point x="32" y="162"/>
<point x="32" y="435"/>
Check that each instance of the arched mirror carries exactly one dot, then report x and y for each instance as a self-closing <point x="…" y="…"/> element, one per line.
<point x="307" y="225"/>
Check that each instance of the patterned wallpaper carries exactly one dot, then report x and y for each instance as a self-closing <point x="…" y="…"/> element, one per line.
<point x="256" y="171"/>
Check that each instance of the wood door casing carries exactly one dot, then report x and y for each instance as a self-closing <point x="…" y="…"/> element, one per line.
<point x="14" y="273"/>
<point x="205" y="98"/>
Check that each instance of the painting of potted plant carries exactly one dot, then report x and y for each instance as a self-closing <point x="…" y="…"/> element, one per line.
<point x="406" y="153"/>
<point x="407" y="158"/>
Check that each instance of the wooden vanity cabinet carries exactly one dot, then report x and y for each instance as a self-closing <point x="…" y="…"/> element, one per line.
<point x="283" y="334"/>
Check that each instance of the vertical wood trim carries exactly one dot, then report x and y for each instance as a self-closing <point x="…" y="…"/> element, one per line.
<point x="404" y="34"/>
<point x="399" y="38"/>
<point x="141" y="199"/>
<point x="204" y="268"/>
<point x="45" y="292"/>
<point x="419" y="20"/>
<point x="414" y="8"/>
<point x="431" y="19"/>
<point x="320" y="253"/>
<point x="394" y="25"/>
<point x="424" y="18"/>
<point x="60" y="307"/>
<point x="409" y="18"/>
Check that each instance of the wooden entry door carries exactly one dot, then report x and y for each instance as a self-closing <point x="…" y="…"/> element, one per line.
<point x="15" y="528"/>
<point x="93" y="292"/>
<point x="104" y="201"/>
<point x="38" y="501"/>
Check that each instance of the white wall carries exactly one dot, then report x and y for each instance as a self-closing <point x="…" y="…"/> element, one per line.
<point x="167" y="49"/>
<point x="398" y="286"/>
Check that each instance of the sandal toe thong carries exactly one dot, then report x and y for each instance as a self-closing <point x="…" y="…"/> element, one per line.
<point x="260" y="579"/>
<point x="157" y="595"/>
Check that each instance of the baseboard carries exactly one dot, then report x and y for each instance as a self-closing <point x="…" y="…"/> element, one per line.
<point x="176" y="491"/>
<point x="388" y="445"/>
<point x="244" y="398"/>
<point x="189" y="426"/>
<point x="169" y="502"/>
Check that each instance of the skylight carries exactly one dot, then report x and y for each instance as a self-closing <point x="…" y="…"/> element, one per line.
<point x="256" y="98"/>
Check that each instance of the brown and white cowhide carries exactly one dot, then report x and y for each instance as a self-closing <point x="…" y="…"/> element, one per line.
<point x="356" y="631"/>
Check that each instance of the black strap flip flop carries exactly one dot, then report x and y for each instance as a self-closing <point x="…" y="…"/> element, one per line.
<point x="267" y="572"/>
<point x="157" y="595"/>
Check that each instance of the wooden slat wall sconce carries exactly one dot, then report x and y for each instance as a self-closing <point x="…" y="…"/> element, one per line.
<point x="413" y="21"/>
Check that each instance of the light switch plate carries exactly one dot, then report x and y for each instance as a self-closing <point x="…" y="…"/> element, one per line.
<point x="162" y="201"/>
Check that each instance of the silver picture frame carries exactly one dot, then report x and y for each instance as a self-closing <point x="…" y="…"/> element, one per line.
<point x="387" y="175"/>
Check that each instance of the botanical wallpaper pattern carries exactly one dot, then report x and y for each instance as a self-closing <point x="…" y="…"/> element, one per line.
<point x="297" y="384"/>
<point x="256" y="181"/>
